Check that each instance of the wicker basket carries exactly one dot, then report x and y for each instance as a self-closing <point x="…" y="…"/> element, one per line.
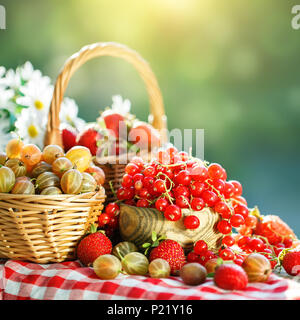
<point x="46" y="229"/>
<point x="112" y="166"/>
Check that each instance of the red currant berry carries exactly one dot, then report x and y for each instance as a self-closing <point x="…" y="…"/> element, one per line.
<point x="138" y="161"/>
<point x="242" y="210"/>
<point x="222" y="208"/>
<point x="172" y="212"/>
<point x="209" y="197"/>
<point x="112" y="209"/>
<point x="149" y="171"/>
<point x="138" y="177"/>
<point x="182" y="202"/>
<point x="208" y="256"/>
<point x="138" y="185"/>
<point x="103" y="219"/>
<point x="127" y="181"/>
<point x="215" y="171"/>
<point x="256" y="245"/>
<point x="251" y="221"/>
<point x="200" y="247"/>
<point x="239" y="200"/>
<point x="159" y="186"/>
<point x="228" y="241"/>
<point x="192" y="257"/>
<point x="238" y="261"/>
<point x="237" y="220"/>
<point x="198" y="173"/>
<point x="226" y="254"/>
<point x="181" y="191"/>
<point x="243" y="242"/>
<point x="148" y="181"/>
<point x="142" y="203"/>
<point x="218" y="184"/>
<point x="197" y="204"/>
<point x="132" y="169"/>
<point x="161" y="204"/>
<point x="228" y="190"/>
<point x="238" y="189"/>
<point x="224" y="227"/>
<point x="197" y="188"/>
<point x="144" y="193"/>
<point x="183" y="178"/>
<point x="191" y="222"/>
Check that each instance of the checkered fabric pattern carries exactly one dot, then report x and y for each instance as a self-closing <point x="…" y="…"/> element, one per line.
<point x="71" y="281"/>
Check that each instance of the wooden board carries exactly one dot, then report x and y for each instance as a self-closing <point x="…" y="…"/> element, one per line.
<point x="136" y="225"/>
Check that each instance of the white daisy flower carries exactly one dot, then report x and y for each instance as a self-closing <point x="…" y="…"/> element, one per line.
<point x="121" y="106"/>
<point x="27" y="72"/>
<point x="5" y="100"/>
<point x="31" y="128"/>
<point x="37" y="97"/>
<point x="5" y="135"/>
<point x="11" y="80"/>
<point x="69" y="114"/>
<point x="2" y="72"/>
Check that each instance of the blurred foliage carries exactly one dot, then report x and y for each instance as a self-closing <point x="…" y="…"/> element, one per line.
<point x="230" y="67"/>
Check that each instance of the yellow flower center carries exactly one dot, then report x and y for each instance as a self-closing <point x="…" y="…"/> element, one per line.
<point x="32" y="131"/>
<point x="39" y="104"/>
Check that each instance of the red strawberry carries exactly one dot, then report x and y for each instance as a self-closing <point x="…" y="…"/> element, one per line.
<point x="274" y="229"/>
<point x="89" y="138"/>
<point x="92" y="246"/>
<point x="113" y="121"/>
<point x="69" y="135"/>
<point x="231" y="277"/>
<point x="144" y="135"/>
<point x="291" y="263"/>
<point x="172" y="252"/>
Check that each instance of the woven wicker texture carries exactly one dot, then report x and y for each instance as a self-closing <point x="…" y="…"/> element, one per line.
<point x="46" y="229"/>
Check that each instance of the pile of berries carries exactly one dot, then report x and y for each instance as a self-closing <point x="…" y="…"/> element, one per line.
<point x="173" y="181"/>
<point x="25" y="169"/>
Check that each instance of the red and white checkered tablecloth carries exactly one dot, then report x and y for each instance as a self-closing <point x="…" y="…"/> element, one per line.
<point x="71" y="281"/>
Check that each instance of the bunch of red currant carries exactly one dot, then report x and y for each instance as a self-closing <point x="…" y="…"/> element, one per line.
<point x="175" y="181"/>
<point x="109" y="219"/>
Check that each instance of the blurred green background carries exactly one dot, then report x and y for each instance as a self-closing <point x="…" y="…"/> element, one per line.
<point x="229" y="67"/>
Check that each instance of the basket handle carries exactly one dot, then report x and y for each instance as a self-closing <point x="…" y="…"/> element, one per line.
<point x="157" y="113"/>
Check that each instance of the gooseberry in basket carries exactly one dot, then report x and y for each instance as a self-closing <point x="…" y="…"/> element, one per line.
<point x="144" y="136"/>
<point x="31" y="155"/>
<point x="193" y="274"/>
<point x="135" y="263"/>
<point x="14" y="148"/>
<point x="92" y="246"/>
<point x="51" y="153"/>
<point x="123" y="248"/>
<point x="80" y="157"/>
<point x="257" y="267"/>
<point x="88" y="184"/>
<point x="23" y="186"/>
<point x="107" y="267"/>
<point x="51" y="191"/>
<point x="47" y="179"/>
<point x="97" y="173"/>
<point x="159" y="268"/>
<point x="71" y="181"/>
<point x="40" y="168"/>
<point x="61" y="165"/>
<point x="3" y="158"/>
<point x="7" y="179"/>
<point x="17" y="166"/>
